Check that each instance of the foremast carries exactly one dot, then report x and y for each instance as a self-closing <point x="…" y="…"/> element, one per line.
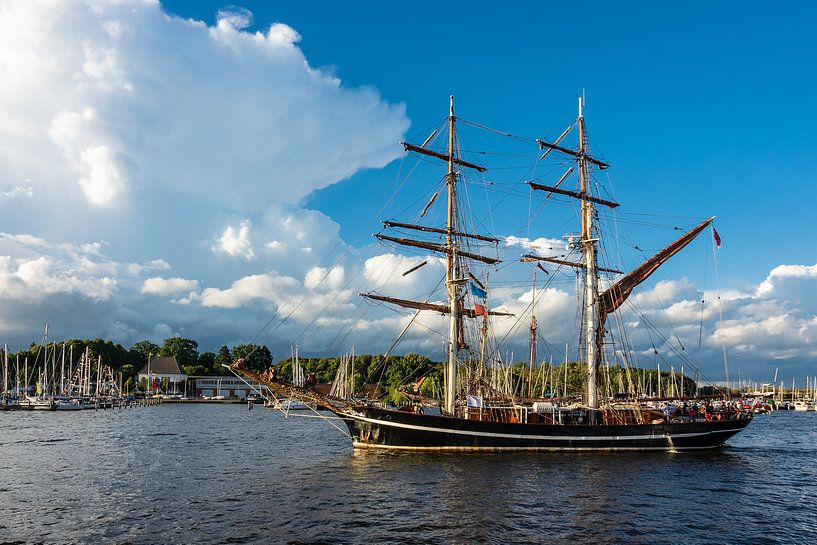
<point x="451" y="273"/>
<point x="592" y="335"/>
<point x="456" y="275"/>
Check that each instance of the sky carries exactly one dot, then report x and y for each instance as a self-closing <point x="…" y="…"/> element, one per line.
<point x="207" y="170"/>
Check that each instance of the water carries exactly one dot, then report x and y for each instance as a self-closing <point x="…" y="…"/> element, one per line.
<point x="223" y="474"/>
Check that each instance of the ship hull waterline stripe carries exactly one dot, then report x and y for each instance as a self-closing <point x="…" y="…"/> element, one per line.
<point x="667" y="448"/>
<point x="537" y="437"/>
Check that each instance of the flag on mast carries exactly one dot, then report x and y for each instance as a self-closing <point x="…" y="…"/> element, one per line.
<point x="479" y="310"/>
<point x="717" y="237"/>
<point x="476" y="291"/>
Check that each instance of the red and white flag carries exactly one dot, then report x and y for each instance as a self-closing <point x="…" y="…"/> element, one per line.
<point x="717" y="237"/>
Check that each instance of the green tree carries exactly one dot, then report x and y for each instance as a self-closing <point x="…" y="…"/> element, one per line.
<point x="256" y="358"/>
<point x="207" y="364"/>
<point x="128" y="371"/>
<point x="141" y="350"/>
<point x="224" y="357"/>
<point x="186" y="351"/>
<point x="112" y="354"/>
<point x="403" y="370"/>
<point x="323" y="368"/>
<point x="408" y="368"/>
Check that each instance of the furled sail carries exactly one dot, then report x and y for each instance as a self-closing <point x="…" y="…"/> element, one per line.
<point x="441" y="231"/>
<point x="436" y="248"/>
<point x="432" y="153"/>
<point x="419" y="305"/>
<point x="546" y="145"/>
<point x="527" y="258"/>
<point x="575" y="194"/>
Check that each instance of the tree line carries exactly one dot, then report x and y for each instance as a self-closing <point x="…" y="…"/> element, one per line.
<point x="129" y="361"/>
<point x="411" y="371"/>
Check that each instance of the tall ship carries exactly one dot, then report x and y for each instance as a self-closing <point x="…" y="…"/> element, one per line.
<point x="474" y="412"/>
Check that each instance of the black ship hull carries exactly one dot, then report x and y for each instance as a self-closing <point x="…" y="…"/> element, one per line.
<point x="372" y="427"/>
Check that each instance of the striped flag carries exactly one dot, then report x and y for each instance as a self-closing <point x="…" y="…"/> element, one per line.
<point x="476" y="291"/>
<point x="717" y="237"/>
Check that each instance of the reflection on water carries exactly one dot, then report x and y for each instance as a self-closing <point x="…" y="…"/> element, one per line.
<point x="222" y="474"/>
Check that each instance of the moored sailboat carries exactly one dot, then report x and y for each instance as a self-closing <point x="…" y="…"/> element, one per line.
<point x="483" y="418"/>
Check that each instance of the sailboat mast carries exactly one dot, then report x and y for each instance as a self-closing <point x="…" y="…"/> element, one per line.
<point x="532" y="337"/>
<point x="62" y="370"/>
<point x="87" y="371"/>
<point x="450" y="262"/>
<point x="591" y="276"/>
<point x="483" y="344"/>
<point x="43" y="383"/>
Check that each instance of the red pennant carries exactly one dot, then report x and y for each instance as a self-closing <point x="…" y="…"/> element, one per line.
<point x="717" y="237"/>
<point x="479" y="310"/>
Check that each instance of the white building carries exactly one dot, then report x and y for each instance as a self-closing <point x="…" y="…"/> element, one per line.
<point x="228" y="386"/>
<point x="159" y="368"/>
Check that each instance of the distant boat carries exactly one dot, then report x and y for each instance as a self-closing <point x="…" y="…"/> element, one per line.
<point x="67" y="405"/>
<point x="804" y="406"/>
<point x="37" y="403"/>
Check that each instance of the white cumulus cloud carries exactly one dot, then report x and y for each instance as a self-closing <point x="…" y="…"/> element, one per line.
<point x="168" y="286"/>
<point x="235" y="241"/>
<point x="320" y="277"/>
<point x="271" y="288"/>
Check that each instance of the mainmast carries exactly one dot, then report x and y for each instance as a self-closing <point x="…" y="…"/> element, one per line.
<point x="588" y="244"/>
<point x="451" y="265"/>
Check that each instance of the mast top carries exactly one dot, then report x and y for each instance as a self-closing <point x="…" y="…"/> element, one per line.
<point x="581" y="104"/>
<point x="451" y="105"/>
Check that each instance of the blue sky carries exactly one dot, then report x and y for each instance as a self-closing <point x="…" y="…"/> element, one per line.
<point x="703" y="108"/>
<point x="183" y="168"/>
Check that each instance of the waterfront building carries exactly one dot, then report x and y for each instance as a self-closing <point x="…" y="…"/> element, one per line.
<point x="226" y="386"/>
<point x="159" y="369"/>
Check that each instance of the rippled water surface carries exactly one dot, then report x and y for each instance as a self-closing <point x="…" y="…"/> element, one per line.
<point x="223" y="474"/>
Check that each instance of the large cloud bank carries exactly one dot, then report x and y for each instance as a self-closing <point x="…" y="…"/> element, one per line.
<point x="146" y="157"/>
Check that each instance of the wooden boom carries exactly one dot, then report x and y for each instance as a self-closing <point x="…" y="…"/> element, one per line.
<point x="444" y="157"/>
<point x="574" y="194"/>
<point x="602" y="165"/>
<point x="437" y="248"/>
<point x="441" y="231"/>
<point x="419" y="305"/>
<point x="529" y="257"/>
